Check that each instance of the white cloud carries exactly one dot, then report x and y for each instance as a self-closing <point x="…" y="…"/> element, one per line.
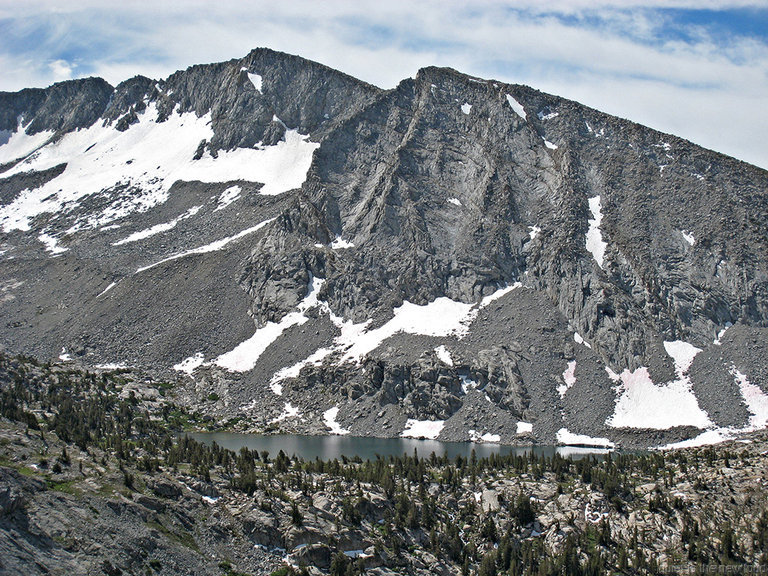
<point x="61" y="69"/>
<point x="612" y="55"/>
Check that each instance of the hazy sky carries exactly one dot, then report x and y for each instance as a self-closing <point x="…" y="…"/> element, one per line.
<point x="695" y="68"/>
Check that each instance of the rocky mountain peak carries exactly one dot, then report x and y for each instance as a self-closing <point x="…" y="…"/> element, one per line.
<point x="286" y="235"/>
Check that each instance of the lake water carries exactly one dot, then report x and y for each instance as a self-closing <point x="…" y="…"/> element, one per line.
<point x="330" y="447"/>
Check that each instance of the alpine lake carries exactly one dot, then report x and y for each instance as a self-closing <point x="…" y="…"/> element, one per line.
<point x="370" y="448"/>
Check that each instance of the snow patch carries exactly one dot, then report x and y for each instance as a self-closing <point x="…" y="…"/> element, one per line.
<point x="682" y="354"/>
<point x="549" y="145"/>
<point x="579" y="340"/>
<point x="534" y="231"/>
<point x="65" y="356"/>
<point x="428" y="429"/>
<point x="212" y="247"/>
<point x="246" y="354"/>
<point x="107" y="289"/>
<point x="499" y="293"/>
<point x="455" y="201"/>
<point x="467" y="384"/>
<point x="517" y="107"/>
<point x="717" y="341"/>
<point x="568" y="377"/>
<point x="158" y="228"/>
<point x="475" y="436"/>
<point x="444" y="355"/>
<point x="688" y="237"/>
<point x="524" y="428"/>
<point x="329" y="417"/>
<point x="51" y="244"/>
<point x="228" y="196"/>
<point x="595" y="244"/>
<point x="339" y="243"/>
<point x="466" y="108"/>
<point x="189" y="365"/>
<point x="543" y="116"/>
<point x="255" y="80"/>
<point x="704" y="439"/>
<point x="112" y="366"/>
<point x="564" y="436"/>
<point x="289" y="411"/>
<point x="441" y="317"/>
<point x="755" y="399"/>
<point x="315" y="359"/>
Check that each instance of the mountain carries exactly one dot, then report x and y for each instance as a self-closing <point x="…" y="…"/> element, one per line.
<point x="455" y="258"/>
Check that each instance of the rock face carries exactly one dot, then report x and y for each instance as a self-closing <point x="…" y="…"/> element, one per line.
<point x="447" y="248"/>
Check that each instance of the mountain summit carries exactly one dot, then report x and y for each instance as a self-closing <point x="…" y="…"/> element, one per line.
<point x="455" y="258"/>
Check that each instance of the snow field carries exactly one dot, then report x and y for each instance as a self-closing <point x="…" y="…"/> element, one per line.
<point x="19" y="144"/>
<point x="100" y="157"/>
<point x="643" y="404"/>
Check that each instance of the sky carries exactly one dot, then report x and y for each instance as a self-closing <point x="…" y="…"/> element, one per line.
<point x="694" y="68"/>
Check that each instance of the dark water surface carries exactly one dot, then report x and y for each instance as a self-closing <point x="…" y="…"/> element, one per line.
<point x="330" y="447"/>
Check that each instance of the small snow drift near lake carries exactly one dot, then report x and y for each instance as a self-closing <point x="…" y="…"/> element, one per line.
<point x="564" y="436"/>
<point x="423" y="429"/>
<point x="289" y="411"/>
<point x="524" y="428"/>
<point x="329" y="418"/>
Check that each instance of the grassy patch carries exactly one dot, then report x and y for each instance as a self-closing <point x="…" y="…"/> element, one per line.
<point x="66" y="486"/>
<point x="27" y="471"/>
<point x="183" y="538"/>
